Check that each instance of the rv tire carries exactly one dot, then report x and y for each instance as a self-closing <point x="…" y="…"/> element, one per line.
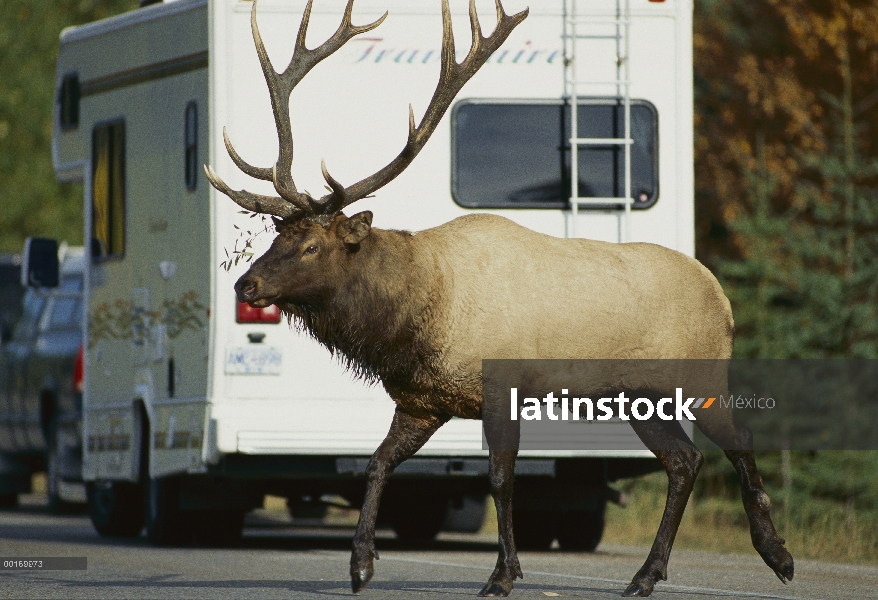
<point x="581" y="530"/>
<point x="166" y="523"/>
<point x="115" y="507"/>
<point x="418" y="518"/>
<point x="534" y="529"/>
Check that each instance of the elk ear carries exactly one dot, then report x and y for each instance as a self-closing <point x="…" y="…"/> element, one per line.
<point x="355" y="229"/>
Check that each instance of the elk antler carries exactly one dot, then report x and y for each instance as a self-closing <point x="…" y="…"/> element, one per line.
<point x="452" y="77"/>
<point x="280" y="86"/>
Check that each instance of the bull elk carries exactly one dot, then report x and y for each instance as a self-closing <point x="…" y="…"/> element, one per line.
<point x="420" y="312"/>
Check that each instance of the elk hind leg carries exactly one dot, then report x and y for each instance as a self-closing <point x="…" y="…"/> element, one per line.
<point x="501" y="469"/>
<point x="737" y="443"/>
<point x="682" y="461"/>
<point x="406" y="436"/>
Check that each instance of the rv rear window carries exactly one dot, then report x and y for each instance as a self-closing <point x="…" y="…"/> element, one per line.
<point x="517" y="154"/>
<point x="191" y="139"/>
<point x="108" y="190"/>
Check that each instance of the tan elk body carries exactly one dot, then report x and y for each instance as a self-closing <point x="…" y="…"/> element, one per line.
<point x="499" y="290"/>
<point x="420" y="312"/>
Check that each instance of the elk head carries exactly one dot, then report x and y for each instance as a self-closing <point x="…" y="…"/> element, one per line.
<point x="306" y="261"/>
<point x="313" y="234"/>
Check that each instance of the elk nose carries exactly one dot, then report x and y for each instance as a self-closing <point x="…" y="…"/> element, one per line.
<point x="246" y="288"/>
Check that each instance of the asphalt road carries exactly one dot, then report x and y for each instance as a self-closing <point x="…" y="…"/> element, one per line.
<point x="279" y="561"/>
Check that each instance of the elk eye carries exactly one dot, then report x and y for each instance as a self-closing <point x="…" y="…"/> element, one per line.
<point x="312" y="249"/>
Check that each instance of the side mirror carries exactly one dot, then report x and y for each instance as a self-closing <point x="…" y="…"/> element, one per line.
<point x="39" y="263"/>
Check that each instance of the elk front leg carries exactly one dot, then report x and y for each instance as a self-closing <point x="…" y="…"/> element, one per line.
<point x="682" y="461"/>
<point x="501" y="471"/>
<point x="406" y="436"/>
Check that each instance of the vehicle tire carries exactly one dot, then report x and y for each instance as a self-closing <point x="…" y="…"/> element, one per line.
<point x="57" y="505"/>
<point x="469" y="517"/>
<point x="219" y="527"/>
<point x="581" y="530"/>
<point x="115" y="507"/>
<point x="419" y="518"/>
<point x="166" y="524"/>
<point x="8" y="500"/>
<point x="534" y="529"/>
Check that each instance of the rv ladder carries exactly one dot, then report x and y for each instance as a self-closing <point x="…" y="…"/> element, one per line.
<point x="615" y="30"/>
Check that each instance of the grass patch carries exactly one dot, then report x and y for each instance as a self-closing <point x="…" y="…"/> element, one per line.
<point x="825" y="504"/>
<point x="813" y="527"/>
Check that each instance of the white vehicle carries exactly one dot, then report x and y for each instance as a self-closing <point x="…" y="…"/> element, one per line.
<point x="198" y="406"/>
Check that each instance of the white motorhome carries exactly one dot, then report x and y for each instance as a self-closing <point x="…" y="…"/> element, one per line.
<point x="198" y="406"/>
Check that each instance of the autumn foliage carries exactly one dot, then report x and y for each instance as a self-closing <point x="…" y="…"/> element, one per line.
<point x="787" y="171"/>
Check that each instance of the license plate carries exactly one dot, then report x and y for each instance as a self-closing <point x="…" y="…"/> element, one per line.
<point x="252" y="360"/>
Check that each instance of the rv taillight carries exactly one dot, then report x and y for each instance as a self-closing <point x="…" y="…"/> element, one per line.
<point x="248" y="314"/>
<point x="78" y="371"/>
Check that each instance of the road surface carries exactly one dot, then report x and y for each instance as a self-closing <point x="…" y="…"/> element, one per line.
<point x="279" y="561"/>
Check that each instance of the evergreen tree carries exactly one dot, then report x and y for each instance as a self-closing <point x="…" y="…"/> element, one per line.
<point x="787" y="208"/>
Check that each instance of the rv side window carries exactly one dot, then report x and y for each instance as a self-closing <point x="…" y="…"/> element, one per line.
<point x="517" y="155"/>
<point x="191" y="154"/>
<point x="108" y="190"/>
<point x="68" y="99"/>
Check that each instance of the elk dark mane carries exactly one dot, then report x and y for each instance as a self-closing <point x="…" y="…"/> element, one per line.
<point x="378" y="332"/>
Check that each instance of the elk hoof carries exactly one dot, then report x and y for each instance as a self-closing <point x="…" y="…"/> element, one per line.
<point x="638" y="589"/>
<point x="785" y="569"/>
<point x="777" y="558"/>
<point x="495" y="590"/>
<point x="360" y="577"/>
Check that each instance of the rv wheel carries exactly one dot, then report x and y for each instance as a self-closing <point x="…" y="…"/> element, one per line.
<point x="8" y="500"/>
<point x="418" y="518"/>
<point x="533" y="529"/>
<point x="166" y="524"/>
<point x="115" y="507"/>
<point x="581" y="530"/>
